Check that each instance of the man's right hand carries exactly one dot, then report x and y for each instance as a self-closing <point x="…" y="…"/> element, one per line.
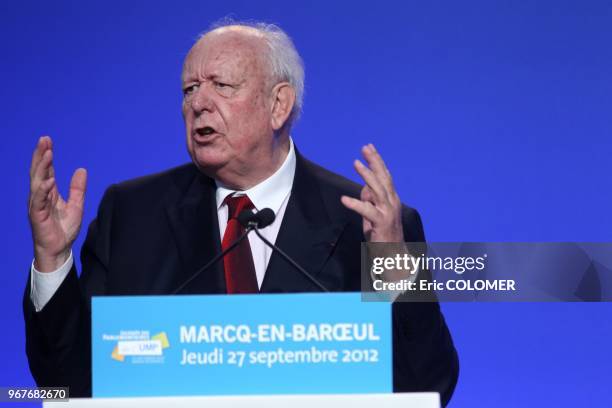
<point x="55" y="223"/>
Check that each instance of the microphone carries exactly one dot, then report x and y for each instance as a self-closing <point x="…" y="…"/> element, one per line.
<point x="247" y="220"/>
<point x="262" y="219"/>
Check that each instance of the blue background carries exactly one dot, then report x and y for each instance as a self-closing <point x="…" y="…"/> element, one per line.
<point x="495" y="119"/>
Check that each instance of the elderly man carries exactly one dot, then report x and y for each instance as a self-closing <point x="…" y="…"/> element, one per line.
<point x="243" y="89"/>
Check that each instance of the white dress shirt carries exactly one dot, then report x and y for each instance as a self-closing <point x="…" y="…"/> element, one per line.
<point x="271" y="193"/>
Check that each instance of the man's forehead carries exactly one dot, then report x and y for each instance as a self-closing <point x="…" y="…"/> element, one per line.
<point x="223" y="44"/>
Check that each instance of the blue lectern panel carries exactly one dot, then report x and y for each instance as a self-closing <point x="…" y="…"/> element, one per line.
<point x="240" y="344"/>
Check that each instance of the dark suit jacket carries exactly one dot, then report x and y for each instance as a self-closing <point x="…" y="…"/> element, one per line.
<point x="154" y="232"/>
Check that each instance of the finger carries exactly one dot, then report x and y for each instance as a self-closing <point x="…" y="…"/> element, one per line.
<point x="78" y="184"/>
<point x="377" y="162"/>
<point x="41" y="197"/>
<point x="51" y="174"/>
<point x="367" y="194"/>
<point x="36" y="155"/>
<point x="378" y="190"/>
<point x="41" y="173"/>
<point x="378" y="166"/>
<point x="44" y="144"/>
<point x="363" y="208"/>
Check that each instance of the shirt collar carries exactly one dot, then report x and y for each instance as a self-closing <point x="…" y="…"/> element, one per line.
<point x="270" y="193"/>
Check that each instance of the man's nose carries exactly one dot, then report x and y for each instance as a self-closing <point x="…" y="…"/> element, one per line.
<point x="201" y="100"/>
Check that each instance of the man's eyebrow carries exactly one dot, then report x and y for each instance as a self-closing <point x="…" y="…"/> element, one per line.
<point x="187" y="78"/>
<point x="192" y="78"/>
<point x="213" y="76"/>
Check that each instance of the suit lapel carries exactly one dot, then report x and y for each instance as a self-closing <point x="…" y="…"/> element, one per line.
<point x="308" y="234"/>
<point x="196" y="230"/>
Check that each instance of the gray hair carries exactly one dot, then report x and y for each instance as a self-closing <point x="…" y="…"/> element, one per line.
<point x="285" y="62"/>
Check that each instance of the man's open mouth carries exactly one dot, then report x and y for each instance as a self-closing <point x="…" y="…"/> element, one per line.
<point x="205" y="131"/>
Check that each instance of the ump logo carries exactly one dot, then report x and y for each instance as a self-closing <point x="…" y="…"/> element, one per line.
<point x="139" y="345"/>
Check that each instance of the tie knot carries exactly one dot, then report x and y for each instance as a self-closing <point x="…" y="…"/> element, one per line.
<point x="237" y="204"/>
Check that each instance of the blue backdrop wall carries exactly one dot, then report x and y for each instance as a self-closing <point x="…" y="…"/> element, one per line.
<point x="495" y="119"/>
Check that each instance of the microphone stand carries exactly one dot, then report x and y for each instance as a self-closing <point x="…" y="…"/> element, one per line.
<point x="287" y="258"/>
<point x="249" y="228"/>
<point x="252" y="225"/>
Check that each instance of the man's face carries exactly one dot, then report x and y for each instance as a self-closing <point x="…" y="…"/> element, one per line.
<point x="227" y="105"/>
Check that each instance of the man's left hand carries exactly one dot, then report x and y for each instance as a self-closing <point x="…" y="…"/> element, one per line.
<point x="379" y="204"/>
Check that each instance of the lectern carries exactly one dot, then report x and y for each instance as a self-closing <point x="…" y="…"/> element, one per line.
<point x="273" y="350"/>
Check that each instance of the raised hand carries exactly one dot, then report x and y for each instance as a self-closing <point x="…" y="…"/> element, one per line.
<point x="379" y="205"/>
<point x="55" y="222"/>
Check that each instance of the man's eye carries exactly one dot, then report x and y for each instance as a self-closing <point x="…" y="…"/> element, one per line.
<point x="190" y="89"/>
<point x="224" y="89"/>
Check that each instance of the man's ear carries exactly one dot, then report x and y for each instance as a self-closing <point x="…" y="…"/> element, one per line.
<point x="283" y="96"/>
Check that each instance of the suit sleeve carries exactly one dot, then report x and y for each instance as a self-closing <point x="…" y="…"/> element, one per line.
<point x="58" y="337"/>
<point x="424" y="355"/>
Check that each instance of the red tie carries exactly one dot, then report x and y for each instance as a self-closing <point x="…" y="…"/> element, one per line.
<point x="238" y="264"/>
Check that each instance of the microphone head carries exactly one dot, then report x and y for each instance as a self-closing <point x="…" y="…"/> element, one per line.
<point x="265" y="217"/>
<point x="260" y="219"/>
<point x="245" y="217"/>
